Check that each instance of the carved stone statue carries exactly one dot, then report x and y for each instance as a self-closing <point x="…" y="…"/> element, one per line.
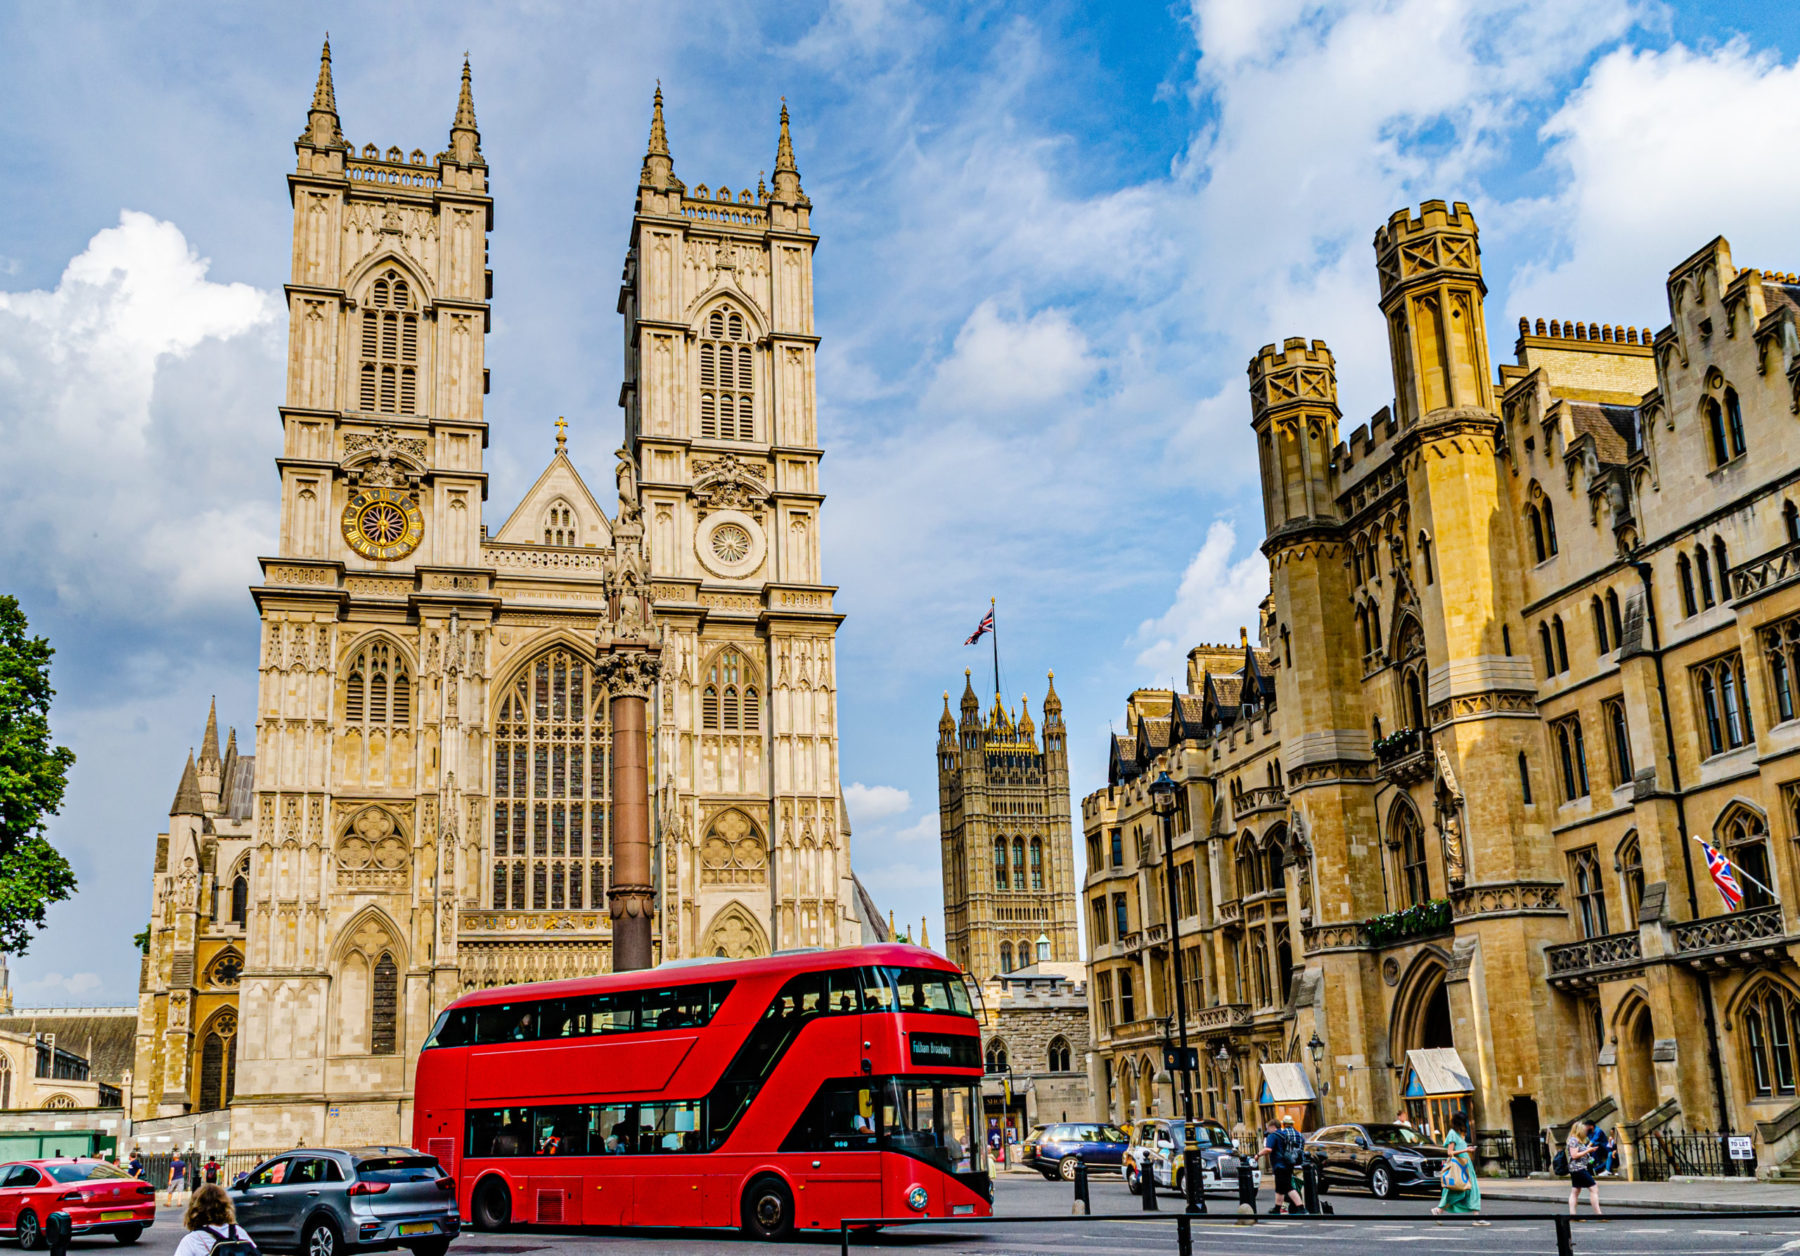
<point x="629" y="509"/>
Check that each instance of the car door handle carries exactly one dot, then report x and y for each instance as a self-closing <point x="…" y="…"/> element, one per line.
<point x="311" y="1194"/>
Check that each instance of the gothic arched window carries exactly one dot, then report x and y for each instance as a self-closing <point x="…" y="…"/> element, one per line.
<point x="388" y="374"/>
<point x="1590" y="893"/>
<point x="1744" y="837"/>
<point x="551" y="740"/>
<point x="1771" y="1020"/>
<point x="1018" y="863"/>
<point x="727" y="378"/>
<point x="1685" y="570"/>
<point x="1781" y="650"/>
<point x="1006" y="957"/>
<point x="559" y="524"/>
<point x="1037" y="863"/>
<point x="384" y="1006"/>
<point x="1727" y="720"/>
<point x="1000" y="879"/>
<point x="730" y="703"/>
<point x="1059" y="1054"/>
<point x="218" y="1062"/>
<point x="240" y="891"/>
<point x="1407" y="835"/>
<point x="1631" y="876"/>
<point x="995" y="1056"/>
<point x="378" y="690"/>
<point x="1704" y="567"/>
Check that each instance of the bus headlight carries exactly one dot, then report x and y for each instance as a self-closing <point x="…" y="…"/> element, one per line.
<point x="916" y="1199"/>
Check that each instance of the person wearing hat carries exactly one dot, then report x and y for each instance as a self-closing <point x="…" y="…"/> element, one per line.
<point x="1286" y="1150"/>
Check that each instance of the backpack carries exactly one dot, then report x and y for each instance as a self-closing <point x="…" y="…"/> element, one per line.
<point x="1293" y="1147"/>
<point x="228" y="1244"/>
<point x="1559" y="1164"/>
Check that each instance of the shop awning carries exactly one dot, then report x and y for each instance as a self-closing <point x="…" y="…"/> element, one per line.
<point x="1285" y="1083"/>
<point x="1433" y="1071"/>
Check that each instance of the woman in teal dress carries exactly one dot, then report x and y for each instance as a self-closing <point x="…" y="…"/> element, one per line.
<point x="1460" y="1203"/>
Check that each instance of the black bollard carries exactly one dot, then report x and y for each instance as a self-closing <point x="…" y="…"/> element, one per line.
<point x="1184" y="1236"/>
<point x="1084" y="1205"/>
<point x="1147" y="1188"/>
<point x="1246" y="1190"/>
<point x="1565" y="1241"/>
<point x="56" y="1233"/>
<point x="1309" y="1175"/>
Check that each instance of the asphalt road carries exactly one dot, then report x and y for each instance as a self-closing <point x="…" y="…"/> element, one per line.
<point x="1362" y="1226"/>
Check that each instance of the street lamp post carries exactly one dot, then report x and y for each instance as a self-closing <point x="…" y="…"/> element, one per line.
<point x="1315" y="1047"/>
<point x="1162" y="801"/>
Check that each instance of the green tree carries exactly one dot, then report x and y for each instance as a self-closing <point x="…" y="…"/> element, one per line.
<point x="33" y="777"/>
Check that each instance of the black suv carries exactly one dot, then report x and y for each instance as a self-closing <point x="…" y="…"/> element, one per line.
<point x="1387" y="1159"/>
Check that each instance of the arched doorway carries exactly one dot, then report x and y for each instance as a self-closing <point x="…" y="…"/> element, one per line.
<point x="1635" y="1033"/>
<point x="1422" y="1014"/>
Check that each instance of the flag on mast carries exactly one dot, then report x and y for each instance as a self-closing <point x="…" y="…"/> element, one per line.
<point x="1723" y="876"/>
<point x="983" y="628"/>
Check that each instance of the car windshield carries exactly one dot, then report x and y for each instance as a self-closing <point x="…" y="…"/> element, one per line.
<point x="1204" y="1135"/>
<point x="84" y="1171"/>
<point x="1395" y="1135"/>
<point x="1103" y="1134"/>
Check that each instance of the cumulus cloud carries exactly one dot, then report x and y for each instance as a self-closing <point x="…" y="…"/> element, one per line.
<point x="1217" y="595"/>
<point x="869" y="803"/>
<point x="54" y="988"/>
<point x="137" y="409"/>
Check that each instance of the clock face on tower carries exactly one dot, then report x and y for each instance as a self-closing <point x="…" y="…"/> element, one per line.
<point x="383" y="523"/>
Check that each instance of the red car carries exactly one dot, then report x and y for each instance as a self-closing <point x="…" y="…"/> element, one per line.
<point x="99" y="1199"/>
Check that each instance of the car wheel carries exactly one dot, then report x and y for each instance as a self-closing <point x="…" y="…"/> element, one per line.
<point x="1066" y="1169"/>
<point x="1181" y="1183"/>
<point x="129" y="1233"/>
<point x="768" y="1209"/>
<point x="31" y="1234"/>
<point x="430" y="1247"/>
<point x="491" y="1209"/>
<point x="1381" y="1181"/>
<point x="1134" y="1181"/>
<point x="320" y="1238"/>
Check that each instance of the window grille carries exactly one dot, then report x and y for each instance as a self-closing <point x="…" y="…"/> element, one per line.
<point x="727" y="379"/>
<point x="388" y="374"/>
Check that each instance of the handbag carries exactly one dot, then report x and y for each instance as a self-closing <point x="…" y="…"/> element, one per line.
<point x="1454" y="1176"/>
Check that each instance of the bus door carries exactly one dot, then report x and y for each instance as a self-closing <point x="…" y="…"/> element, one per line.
<point x="669" y="1164"/>
<point x="845" y="1179"/>
<point x="611" y="1165"/>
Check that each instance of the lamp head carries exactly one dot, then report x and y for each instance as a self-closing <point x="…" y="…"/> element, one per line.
<point x="1162" y="794"/>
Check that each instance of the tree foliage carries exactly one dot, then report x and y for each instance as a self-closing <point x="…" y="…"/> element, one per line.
<point x="33" y="776"/>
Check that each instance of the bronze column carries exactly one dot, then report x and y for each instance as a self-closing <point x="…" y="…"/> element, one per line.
<point x="630" y="678"/>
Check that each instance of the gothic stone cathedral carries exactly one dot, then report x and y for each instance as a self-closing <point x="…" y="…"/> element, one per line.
<point x="429" y="806"/>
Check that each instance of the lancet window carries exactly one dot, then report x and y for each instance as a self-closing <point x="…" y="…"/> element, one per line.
<point x="727" y="379"/>
<point x="389" y="370"/>
<point x="730" y="702"/>
<point x="552" y="849"/>
<point x="378" y="690"/>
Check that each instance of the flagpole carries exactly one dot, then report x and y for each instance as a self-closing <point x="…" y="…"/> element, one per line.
<point x="995" y="633"/>
<point x="1737" y="869"/>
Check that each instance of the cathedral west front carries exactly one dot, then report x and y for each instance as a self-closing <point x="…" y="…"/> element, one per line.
<point x="494" y="756"/>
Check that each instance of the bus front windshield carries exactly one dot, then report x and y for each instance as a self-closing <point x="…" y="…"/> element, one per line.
<point x="934" y="1121"/>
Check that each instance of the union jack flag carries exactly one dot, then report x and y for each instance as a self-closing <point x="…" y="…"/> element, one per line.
<point x="1723" y="877"/>
<point x="983" y="628"/>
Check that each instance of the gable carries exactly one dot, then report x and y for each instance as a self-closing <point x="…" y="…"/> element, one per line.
<point x="560" y="483"/>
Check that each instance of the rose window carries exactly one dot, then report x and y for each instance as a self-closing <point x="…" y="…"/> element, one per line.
<point x="731" y="543"/>
<point x="384" y="523"/>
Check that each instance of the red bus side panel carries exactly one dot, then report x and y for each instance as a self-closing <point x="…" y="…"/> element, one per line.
<point x="586" y="1067"/>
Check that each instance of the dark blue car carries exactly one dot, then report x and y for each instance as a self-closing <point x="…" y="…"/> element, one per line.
<point x="1054" y="1150"/>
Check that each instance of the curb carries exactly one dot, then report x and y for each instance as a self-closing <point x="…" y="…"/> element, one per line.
<point x="1665" y="1205"/>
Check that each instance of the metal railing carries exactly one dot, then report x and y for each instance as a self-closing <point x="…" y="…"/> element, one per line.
<point x="1662" y="1155"/>
<point x="1756" y="928"/>
<point x="158" y="1163"/>
<point x="1510" y="1157"/>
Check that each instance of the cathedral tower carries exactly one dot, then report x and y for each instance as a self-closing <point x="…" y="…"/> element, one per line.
<point x="721" y="417"/>
<point x="1006" y="839"/>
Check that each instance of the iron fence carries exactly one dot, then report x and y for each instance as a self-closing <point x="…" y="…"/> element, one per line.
<point x="1661" y="1156"/>
<point x="1511" y="1157"/>
<point x="157" y="1165"/>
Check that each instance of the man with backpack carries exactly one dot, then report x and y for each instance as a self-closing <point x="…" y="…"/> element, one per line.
<point x="1286" y="1149"/>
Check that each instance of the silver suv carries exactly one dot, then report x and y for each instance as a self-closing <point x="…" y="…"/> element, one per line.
<point x="329" y="1201"/>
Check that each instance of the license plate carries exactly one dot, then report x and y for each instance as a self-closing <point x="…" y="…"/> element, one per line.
<point x="419" y="1227"/>
<point x="957" y="1210"/>
<point x="115" y="1216"/>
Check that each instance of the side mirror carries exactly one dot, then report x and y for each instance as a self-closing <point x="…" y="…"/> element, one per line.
<point x="1362" y="1142"/>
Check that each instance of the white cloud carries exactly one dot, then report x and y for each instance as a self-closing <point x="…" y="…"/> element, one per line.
<point x="1217" y="597"/>
<point x="1660" y="152"/>
<point x="869" y="803"/>
<point x="137" y="407"/>
<point x="1007" y="364"/>
<point x="925" y="829"/>
<point x="55" y="988"/>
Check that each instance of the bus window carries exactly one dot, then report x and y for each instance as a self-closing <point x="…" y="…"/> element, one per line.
<point x="843" y="990"/>
<point x="560" y="1131"/>
<point x="617" y="1124"/>
<point x="841" y="1117"/>
<point x="925" y="990"/>
<point x="878" y="993"/>
<point x="669" y="1127"/>
<point x="506" y="1022"/>
<point x="933" y="1121"/>
<point x="684" y="1007"/>
<point x="499" y="1132"/>
<point x="455" y="1028"/>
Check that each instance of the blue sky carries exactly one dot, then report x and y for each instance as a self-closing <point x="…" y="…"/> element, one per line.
<point x="1051" y="237"/>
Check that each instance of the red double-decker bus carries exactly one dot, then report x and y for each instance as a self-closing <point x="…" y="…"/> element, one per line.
<point x="773" y="1094"/>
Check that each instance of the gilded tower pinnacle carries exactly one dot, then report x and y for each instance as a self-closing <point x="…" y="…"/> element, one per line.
<point x="659" y="167"/>
<point x="465" y="138"/>
<point x="787" y="175"/>
<point x="322" y="130"/>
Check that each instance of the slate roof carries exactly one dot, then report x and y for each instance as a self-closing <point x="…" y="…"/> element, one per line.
<point x="1614" y="429"/>
<point x="240" y="788"/>
<point x="107" y="1036"/>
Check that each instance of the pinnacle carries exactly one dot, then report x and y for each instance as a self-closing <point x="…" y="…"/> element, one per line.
<point x="659" y="135"/>
<point x="187" y="794"/>
<point x="324" y="98"/>
<point x="787" y="175"/>
<point x="465" y="102"/>
<point x="659" y="168"/>
<point x="322" y="129"/>
<point x="209" y="745"/>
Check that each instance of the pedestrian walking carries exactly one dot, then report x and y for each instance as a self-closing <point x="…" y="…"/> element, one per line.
<point x="1580" y="1150"/>
<point x="1286" y="1149"/>
<point x="212" y="1169"/>
<point x="178" y="1171"/>
<point x="1460" y="1193"/>
<point x="137" y="1163"/>
<point x="211" y="1222"/>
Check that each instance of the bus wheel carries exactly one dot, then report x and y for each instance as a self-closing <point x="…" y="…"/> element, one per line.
<point x="768" y="1209"/>
<point x="492" y="1205"/>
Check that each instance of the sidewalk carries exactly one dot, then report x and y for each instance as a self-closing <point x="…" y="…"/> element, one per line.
<point x="1683" y="1194"/>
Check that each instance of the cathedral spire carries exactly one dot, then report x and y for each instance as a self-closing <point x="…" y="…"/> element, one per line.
<point x="322" y="130"/>
<point x="465" y="139"/>
<point x="187" y="794"/>
<point x="659" y="167"/>
<point x="787" y="175"/>
<point x="209" y="744"/>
